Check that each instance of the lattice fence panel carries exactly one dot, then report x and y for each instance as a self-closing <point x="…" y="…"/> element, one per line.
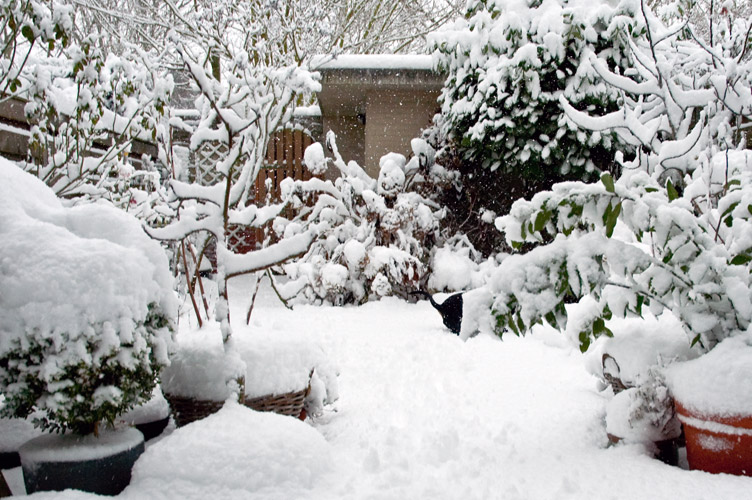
<point x="284" y="158"/>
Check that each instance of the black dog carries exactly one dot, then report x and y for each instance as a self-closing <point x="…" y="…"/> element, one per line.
<point x="450" y="310"/>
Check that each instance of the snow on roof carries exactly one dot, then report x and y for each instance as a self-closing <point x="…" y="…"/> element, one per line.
<point x="374" y="61"/>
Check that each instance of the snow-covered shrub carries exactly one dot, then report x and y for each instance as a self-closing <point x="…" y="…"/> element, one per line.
<point x="458" y="266"/>
<point x="86" y="108"/>
<point x="87" y="309"/>
<point x="644" y="414"/>
<point x="508" y="62"/>
<point x="379" y="233"/>
<point x="681" y="209"/>
<point x="27" y="25"/>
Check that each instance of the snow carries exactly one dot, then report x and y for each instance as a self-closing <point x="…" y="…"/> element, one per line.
<point x="14" y="432"/>
<point x="421" y="414"/>
<point x="151" y="411"/>
<point x="277" y="362"/>
<point x="72" y="447"/>
<point x="42" y="268"/>
<point x="711" y="385"/>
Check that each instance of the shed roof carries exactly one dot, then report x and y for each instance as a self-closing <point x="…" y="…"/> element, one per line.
<point x="346" y="80"/>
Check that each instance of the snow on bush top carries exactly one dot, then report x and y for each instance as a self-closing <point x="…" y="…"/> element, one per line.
<point x="243" y="453"/>
<point x="63" y="269"/>
<point x="717" y="382"/>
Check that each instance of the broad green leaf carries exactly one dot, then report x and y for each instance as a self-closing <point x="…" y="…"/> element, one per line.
<point x="608" y="182"/>
<point x="741" y="259"/>
<point x="672" y="192"/>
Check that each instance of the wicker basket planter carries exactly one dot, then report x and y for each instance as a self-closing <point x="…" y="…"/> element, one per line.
<point x="290" y="403"/>
<point x="187" y="410"/>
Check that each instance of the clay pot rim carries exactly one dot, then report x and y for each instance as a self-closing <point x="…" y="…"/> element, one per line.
<point x="738" y="422"/>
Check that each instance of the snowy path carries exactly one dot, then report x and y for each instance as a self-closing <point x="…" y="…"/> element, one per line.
<point x="421" y="415"/>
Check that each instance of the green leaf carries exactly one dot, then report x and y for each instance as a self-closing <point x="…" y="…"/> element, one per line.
<point x="640" y="302"/>
<point x="541" y="220"/>
<point x="28" y="33"/>
<point x="584" y="341"/>
<point x="672" y="192"/>
<point x="741" y="259"/>
<point x="612" y="219"/>
<point x="608" y="182"/>
<point x="695" y="340"/>
<point x="551" y="319"/>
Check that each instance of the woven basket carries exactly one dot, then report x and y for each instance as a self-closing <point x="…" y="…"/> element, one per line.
<point x="187" y="410"/>
<point x="290" y="403"/>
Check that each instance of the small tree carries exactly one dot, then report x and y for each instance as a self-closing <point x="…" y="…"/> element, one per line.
<point x="240" y="106"/>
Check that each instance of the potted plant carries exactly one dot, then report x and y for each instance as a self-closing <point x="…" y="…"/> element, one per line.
<point x="714" y="405"/>
<point x="87" y="324"/>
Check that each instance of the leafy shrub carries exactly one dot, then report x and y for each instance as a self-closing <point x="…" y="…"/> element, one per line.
<point x="378" y="233"/>
<point x="87" y="311"/>
<point x="672" y="232"/>
<point x="505" y="130"/>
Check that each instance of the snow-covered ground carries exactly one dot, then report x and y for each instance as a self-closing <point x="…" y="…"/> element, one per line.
<point x="421" y="414"/>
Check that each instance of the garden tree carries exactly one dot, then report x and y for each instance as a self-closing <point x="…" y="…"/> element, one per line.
<point x="347" y="26"/>
<point x="710" y="18"/>
<point x="239" y="110"/>
<point x="672" y="233"/>
<point x="508" y="62"/>
<point x="87" y="110"/>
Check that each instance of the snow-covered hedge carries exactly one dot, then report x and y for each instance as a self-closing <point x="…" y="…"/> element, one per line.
<point x="378" y="232"/>
<point x="673" y="232"/>
<point x="508" y="62"/>
<point x="86" y="310"/>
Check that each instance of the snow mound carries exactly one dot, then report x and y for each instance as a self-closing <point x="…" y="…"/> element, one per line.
<point x="714" y="384"/>
<point x="235" y="453"/>
<point x="64" y="269"/>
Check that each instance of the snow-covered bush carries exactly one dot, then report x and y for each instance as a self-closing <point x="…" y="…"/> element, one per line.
<point x="86" y="108"/>
<point x="87" y="309"/>
<point x="378" y="235"/>
<point x="508" y="63"/>
<point x="681" y="209"/>
<point x="27" y="26"/>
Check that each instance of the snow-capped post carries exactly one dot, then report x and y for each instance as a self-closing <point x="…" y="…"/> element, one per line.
<point x="253" y="99"/>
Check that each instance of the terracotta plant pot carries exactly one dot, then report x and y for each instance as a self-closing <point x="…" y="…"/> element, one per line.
<point x="717" y="444"/>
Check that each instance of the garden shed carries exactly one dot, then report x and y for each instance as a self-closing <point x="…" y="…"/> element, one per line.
<point x="376" y="104"/>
